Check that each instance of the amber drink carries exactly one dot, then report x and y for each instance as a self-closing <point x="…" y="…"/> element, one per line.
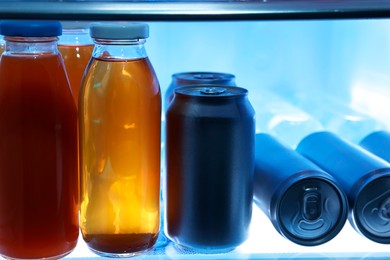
<point x="120" y="109"/>
<point x="75" y="46"/>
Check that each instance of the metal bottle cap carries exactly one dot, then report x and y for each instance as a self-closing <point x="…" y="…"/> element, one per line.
<point x="372" y="210"/>
<point x="311" y="211"/>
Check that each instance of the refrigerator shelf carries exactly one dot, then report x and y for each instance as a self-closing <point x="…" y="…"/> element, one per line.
<point x="193" y="10"/>
<point x="265" y="243"/>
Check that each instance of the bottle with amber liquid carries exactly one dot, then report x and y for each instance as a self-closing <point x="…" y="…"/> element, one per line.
<point x="75" y="46"/>
<point x="38" y="151"/>
<point x="120" y="113"/>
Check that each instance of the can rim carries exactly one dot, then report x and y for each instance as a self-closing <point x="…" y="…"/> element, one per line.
<point x="211" y="91"/>
<point x="362" y="225"/>
<point x="334" y="230"/>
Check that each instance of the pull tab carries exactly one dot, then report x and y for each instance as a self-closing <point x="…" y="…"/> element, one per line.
<point x="213" y="91"/>
<point x="311" y="206"/>
<point x="385" y="209"/>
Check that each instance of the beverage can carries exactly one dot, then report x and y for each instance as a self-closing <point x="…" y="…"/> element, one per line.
<point x="378" y="143"/>
<point x="364" y="177"/>
<point x="197" y="78"/>
<point x="303" y="202"/>
<point x="209" y="169"/>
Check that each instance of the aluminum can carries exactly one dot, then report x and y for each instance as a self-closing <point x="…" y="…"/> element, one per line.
<point x="197" y="78"/>
<point x="378" y="143"/>
<point x="364" y="177"/>
<point x="210" y="163"/>
<point x="303" y="202"/>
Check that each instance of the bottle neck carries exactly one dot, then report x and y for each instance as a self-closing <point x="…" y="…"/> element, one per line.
<point x="79" y="36"/>
<point x="119" y="49"/>
<point x="30" y="45"/>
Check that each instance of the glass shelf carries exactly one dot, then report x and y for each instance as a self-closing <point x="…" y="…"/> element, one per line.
<point x="187" y="10"/>
<point x="265" y="243"/>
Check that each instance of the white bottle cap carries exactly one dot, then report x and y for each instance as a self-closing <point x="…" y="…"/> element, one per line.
<point x="119" y="30"/>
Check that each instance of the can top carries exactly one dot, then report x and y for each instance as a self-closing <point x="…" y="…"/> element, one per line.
<point x="33" y="28"/>
<point x="119" y="30"/>
<point x="204" y="77"/>
<point x="372" y="210"/>
<point x="211" y="91"/>
<point x="312" y="211"/>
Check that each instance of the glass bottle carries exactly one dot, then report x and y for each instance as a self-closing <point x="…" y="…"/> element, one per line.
<point x="76" y="47"/>
<point x="38" y="151"/>
<point x="1" y="44"/>
<point x="120" y="115"/>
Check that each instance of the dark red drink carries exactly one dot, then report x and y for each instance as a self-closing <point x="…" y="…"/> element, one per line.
<point x="38" y="156"/>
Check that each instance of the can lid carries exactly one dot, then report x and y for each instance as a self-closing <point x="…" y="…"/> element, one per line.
<point x="119" y="30"/>
<point x="203" y="77"/>
<point x="30" y="28"/>
<point x="372" y="210"/>
<point x="312" y="211"/>
<point x="209" y="90"/>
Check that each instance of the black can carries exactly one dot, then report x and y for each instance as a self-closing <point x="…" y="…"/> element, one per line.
<point x="197" y="78"/>
<point x="210" y="162"/>
<point x="303" y="202"/>
<point x="364" y="177"/>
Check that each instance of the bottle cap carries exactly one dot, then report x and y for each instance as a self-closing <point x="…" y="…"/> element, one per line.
<point x="119" y="30"/>
<point x="33" y="28"/>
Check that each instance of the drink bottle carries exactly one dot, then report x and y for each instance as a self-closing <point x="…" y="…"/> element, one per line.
<point x="38" y="153"/>
<point x="120" y="113"/>
<point x="75" y="46"/>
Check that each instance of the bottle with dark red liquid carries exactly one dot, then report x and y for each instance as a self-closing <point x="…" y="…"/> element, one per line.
<point x="38" y="151"/>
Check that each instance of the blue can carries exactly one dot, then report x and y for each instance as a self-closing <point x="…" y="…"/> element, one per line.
<point x="364" y="177"/>
<point x="209" y="168"/>
<point x="197" y="78"/>
<point x="378" y="143"/>
<point x="303" y="202"/>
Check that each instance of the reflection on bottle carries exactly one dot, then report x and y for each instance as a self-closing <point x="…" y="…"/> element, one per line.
<point x="75" y="46"/>
<point x="278" y="117"/>
<point x="2" y="44"/>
